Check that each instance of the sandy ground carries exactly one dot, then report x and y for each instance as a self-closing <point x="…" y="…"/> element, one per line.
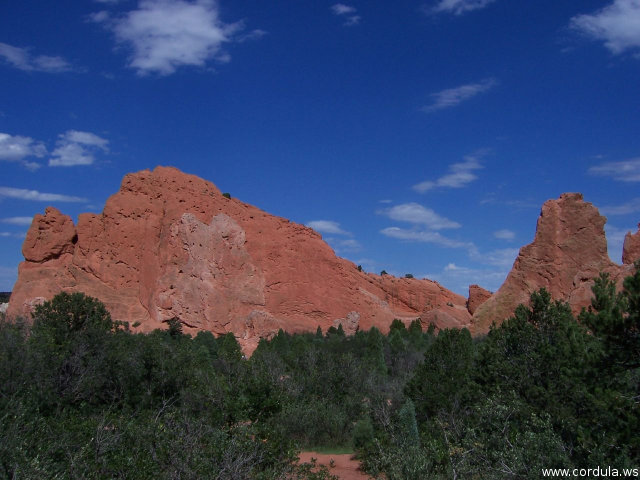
<point x="344" y="468"/>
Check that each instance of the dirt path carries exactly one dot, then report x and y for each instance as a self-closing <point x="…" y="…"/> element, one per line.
<point x="344" y="467"/>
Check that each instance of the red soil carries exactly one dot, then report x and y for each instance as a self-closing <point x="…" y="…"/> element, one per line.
<point x="344" y="467"/>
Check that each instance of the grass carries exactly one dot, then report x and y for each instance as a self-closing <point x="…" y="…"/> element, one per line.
<point x="333" y="450"/>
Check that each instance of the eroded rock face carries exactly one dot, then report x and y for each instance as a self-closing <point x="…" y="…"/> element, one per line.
<point x="477" y="296"/>
<point x="171" y="245"/>
<point x="50" y="236"/>
<point x="569" y="250"/>
<point x="631" y="247"/>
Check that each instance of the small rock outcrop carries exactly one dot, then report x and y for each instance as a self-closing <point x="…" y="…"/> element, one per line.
<point x="477" y="296"/>
<point x="171" y="245"/>
<point x="569" y="250"/>
<point x="631" y="247"/>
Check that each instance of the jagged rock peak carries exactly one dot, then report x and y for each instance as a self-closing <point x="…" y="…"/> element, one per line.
<point x="569" y="250"/>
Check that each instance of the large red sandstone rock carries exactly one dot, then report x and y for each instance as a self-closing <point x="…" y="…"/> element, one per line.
<point x="170" y="245"/>
<point x="631" y="247"/>
<point x="569" y="250"/>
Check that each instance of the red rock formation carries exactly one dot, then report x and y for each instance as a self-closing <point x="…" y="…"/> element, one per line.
<point x="569" y="250"/>
<point x="477" y="296"/>
<point x="631" y="247"/>
<point x="170" y="245"/>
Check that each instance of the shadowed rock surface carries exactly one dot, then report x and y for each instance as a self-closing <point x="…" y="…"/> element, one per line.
<point x="169" y="244"/>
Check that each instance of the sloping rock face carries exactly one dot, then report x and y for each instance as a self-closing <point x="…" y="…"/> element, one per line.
<point x="569" y="250"/>
<point x="171" y="245"/>
<point x="631" y="247"/>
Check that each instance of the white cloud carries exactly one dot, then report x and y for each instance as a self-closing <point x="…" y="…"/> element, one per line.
<point x="341" y="9"/>
<point x="458" y="278"/>
<point x="77" y="148"/>
<point x="417" y="214"/>
<point x="452" y="97"/>
<point x="327" y="226"/>
<point x="167" y="34"/>
<point x="632" y="206"/>
<point x="504" y="234"/>
<point x="17" y="148"/>
<point x="99" y="17"/>
<point x="12" y="235"/>
<point x="344" y="245"/>
<point x="458" y="7"/>
<point x="502" y="257"/>
<point x="22" y="59"/>
<point x="460" y="175"/>
<point x="17" y="220"/>
<point x="252" y="35"/>
<point x="617" y="24"/>
<point x="32" y="166"/>
<point x="425" y="237"/>
<point x="24" y="194"/>
<point x="347" y="12"/>
<point x="624" y="171"/>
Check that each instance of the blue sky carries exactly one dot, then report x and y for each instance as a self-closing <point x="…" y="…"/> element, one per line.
<point x="417" y="137"/>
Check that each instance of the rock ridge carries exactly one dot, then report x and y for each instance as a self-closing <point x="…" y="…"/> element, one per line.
<point x="169" y="244"/>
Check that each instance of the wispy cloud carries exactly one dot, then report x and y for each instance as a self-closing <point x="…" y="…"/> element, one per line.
<point x="624" y="171"/>
<point x="22" y="59"/>
<point x="457" y="7"/>
<point x="452" y="97"/>
<point x="460" y="174"/>
<point x="617" y="24"/>
<point x="458" y="278"/>
<point x="77" y="148"/>
<point x="13" y="234"/>
<point x="344" y="245"/>
<point x="501" y="257"/>
<point x="615" y="241"/>
<point x="347" y="12"/>
<point x="425" y="237"/>
<point x="504" y="234"/>
<point x="24" y="194"/>
<point x="17" y="220"/>
<point x="327" y="226"/>
<point x="167" y="34"/>
<point x="632" y="206"/>
<point x="16" y="148"/>
<point x="418" y="215"/>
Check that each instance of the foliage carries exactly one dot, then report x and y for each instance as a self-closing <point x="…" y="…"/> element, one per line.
<point x="81" y="396"/>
